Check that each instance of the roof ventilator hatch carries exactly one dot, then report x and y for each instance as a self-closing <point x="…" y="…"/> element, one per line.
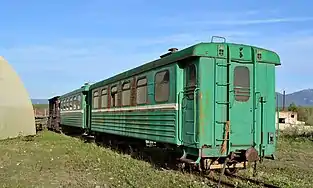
<point x="171" y="50"/>
<point x="218" y="37"/>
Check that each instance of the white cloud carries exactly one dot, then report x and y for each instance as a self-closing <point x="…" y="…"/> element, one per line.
<point x="235" y="22"/>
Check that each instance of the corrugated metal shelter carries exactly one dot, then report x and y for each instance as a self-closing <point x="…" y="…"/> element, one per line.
<point x="16" y="110"/>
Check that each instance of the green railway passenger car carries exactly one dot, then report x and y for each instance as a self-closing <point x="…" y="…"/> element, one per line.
<point x="210" y="101"/>
<point x="74" y="108"/>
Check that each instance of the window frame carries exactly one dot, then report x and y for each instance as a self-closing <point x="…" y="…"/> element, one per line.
<point x="71" y="103"/>
<point x="65" y="104"/>
<point x="61" y="105"/>
<point x="188" y="76"/>
<point x="79" y="101"/>
<point x="103" y="94"/>
<point x="139" y="86"/>
<point x="242" y="98"/>
<point x="187" y="86"/>
<point x="169" y="88"/>
<point x="74" y="102"/>
<point x="68" y="103"/>
<point x="93" y="99"/>
<point x="128" y="89"/>
<point x="112" y="103"/>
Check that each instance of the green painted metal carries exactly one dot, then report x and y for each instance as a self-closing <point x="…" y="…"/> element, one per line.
<point x="156" y="125"/>
<point x="153" y="121"/>
<point x="195" y="118"/>
<point x="76" y="117"/>
<point x="241" y="112"/>
<point x="251" y="121"/>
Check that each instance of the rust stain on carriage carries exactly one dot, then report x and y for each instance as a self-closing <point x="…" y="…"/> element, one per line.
<point x="109" y="97"/>
<point x="224" y="145"/>
<point x="119" y="94"/>
<point x="133" y="96"/>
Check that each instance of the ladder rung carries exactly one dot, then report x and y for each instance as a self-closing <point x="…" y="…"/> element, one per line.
<point x="223" y="65"/>
<point x="221" y="139"/>
<point x="218" y="84"/>
<point x="222" y="102"/>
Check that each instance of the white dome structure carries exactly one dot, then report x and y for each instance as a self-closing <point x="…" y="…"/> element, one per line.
<point x="16" y="110"/>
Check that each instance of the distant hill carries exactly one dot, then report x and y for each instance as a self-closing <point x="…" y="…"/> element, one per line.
<point x="300" y="98"/>
<point x="40" y="101"/>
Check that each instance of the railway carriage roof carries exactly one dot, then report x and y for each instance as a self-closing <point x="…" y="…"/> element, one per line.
<point x="197" y="50"/>
<point x="80" y="90"/>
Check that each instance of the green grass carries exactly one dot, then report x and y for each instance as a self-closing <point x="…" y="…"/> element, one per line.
<point x="40" y="106"/>
<point x="41" y="109"/>
<point x="293" y="166"/>
<point x="54" y="160"/>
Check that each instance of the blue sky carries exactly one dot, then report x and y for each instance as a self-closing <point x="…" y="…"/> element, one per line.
<point x="56" y="46"/>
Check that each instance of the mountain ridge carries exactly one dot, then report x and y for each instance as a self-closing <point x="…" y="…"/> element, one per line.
<point x="300" y="98"/>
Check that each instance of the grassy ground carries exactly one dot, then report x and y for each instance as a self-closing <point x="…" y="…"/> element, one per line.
<point x="40" y="106"/>
<point x="41" y="109"/>
<point x="53" y="160"/>
<point x="293" y="166"/>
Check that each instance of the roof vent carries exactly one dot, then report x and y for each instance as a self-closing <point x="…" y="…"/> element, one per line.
<point x="171" y="50"/>
<point x="218" y="37"/>
<point x="85" y="84"/>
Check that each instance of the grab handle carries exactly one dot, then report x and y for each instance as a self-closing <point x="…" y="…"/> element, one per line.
<point x="195" y="114"/>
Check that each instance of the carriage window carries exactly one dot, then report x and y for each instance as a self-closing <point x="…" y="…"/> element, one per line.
<point x="71" y="103"/>
<point x="104" y="98"/>
<point x="74" y="103"/>
<point x="67" y="104"/>
<point x="61" y="105"/>
<point x="96" y="99"/>
<point x="191" y="80"/>
<point x="142" y="91"/>
<point x="242" y="83"/>
<point x="78" y="101"/>
<point x="114" y="96"/>
<point x="126" y="94"/>
<point x="162" y="86"/>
